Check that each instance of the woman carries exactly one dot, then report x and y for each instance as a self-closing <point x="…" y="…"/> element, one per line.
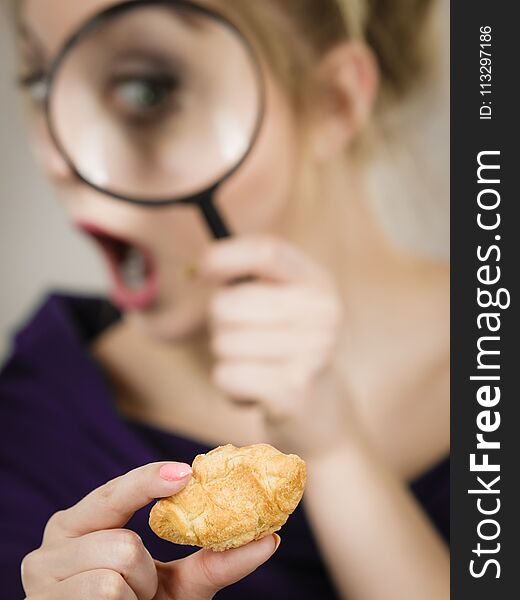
<point x="333" y="345"/>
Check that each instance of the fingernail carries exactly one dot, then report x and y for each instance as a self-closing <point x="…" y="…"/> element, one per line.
<point x="175" y="471"/>
<point x="277" y="541"/>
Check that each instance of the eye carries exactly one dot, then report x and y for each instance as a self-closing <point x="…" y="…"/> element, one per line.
<point x="141" y="98"/>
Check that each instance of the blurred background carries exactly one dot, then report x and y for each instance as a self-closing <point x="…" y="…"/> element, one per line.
<point x="39" y="252"/>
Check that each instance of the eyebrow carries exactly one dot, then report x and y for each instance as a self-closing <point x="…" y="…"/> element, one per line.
<point x="31" y="38"/>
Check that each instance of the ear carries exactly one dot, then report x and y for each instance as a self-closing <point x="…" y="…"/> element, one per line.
<point x="347" y="80"/>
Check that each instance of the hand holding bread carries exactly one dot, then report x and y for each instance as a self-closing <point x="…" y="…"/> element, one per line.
<point x="87" y="552"/>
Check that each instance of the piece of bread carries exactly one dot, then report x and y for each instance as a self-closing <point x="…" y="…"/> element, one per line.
<point x="235" y="496"/>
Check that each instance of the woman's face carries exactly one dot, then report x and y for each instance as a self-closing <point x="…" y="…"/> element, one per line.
<point x="150" y="253"/>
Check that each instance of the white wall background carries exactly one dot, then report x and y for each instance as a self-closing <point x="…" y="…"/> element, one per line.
<point x="39" y="252"/>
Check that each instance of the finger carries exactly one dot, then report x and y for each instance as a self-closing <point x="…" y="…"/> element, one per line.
<point x="100" y="584"/>
<point x="264" y="304"/>
<point x="270" y="344"/>
<point x="259" y="256"/>
<point x="121" y="551"/>
<point x="111" y="505"/>
<point x="264" y="383"/>
<point x="201" y="575"/>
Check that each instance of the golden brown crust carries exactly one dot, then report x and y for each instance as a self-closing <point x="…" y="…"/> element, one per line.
<point x="235" y="496"/>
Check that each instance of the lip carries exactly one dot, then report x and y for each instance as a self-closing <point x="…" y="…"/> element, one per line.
<point x="124" y="297"/>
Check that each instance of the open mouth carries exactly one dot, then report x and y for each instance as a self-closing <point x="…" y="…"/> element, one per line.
<point x="132" y="268"/>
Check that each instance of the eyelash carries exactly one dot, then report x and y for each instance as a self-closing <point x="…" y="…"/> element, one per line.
<point x="36" y="85"/>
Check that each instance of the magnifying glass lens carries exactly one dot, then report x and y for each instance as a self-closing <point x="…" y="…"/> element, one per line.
<point x="155" y="102"/>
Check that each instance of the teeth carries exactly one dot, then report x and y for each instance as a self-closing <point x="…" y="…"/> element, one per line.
<point x="133" y="269"/>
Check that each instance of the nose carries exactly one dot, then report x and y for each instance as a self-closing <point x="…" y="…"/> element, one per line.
<point x="48" y="156"/>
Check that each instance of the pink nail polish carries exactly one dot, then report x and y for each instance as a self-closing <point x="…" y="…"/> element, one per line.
<point x="175" y="471"/>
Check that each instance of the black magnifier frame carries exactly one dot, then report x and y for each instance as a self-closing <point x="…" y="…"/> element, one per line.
<point x="204" y="199"/>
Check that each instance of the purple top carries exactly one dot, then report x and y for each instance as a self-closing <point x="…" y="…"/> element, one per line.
<point x="61" y="437"/>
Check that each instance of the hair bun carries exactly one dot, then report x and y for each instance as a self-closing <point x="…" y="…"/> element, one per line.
<point x="397" y="32"/>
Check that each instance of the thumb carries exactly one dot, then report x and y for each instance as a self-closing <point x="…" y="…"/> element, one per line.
<point x="201" y="575"/>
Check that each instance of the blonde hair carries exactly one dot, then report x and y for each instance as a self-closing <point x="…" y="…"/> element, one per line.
<point x="294" y="34"/>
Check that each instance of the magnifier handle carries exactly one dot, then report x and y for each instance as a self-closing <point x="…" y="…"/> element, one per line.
<point x="219" y="230"/>
<point x="213" y="219"/>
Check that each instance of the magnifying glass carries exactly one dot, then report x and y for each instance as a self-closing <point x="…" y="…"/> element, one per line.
<point x="157" y="103"/>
